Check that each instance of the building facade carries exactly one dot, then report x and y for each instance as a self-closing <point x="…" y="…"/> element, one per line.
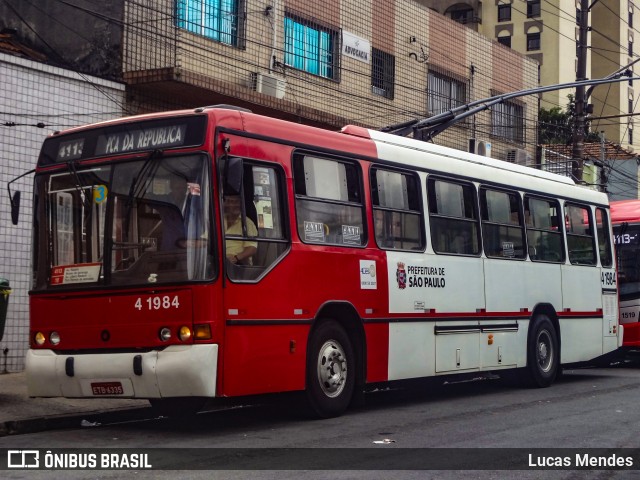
<point x="367" y="62"/>
<point x="612" y="44"/>
<point x="372" y="63"/>
<point x="35" y="100"/>
<point x="547" y="31"/>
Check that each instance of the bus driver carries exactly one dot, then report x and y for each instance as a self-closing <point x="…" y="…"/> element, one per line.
<point x="238" y="252"/>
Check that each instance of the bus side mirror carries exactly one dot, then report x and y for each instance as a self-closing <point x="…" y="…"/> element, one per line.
<point x="15" y="207"/>
<point x="14" y="199"/>
<point x="233" y="176"/>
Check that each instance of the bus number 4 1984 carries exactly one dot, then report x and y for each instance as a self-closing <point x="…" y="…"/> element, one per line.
<point x="158" y="303"/>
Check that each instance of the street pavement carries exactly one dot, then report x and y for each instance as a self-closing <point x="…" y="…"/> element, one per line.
<point x="21" y="414"/>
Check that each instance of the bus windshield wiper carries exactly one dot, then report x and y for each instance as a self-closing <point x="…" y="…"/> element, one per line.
<point x="140" y="183"/>
<point x="86" y="202"/>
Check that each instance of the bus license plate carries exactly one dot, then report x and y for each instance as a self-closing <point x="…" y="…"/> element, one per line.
<point x="107" y="388"/>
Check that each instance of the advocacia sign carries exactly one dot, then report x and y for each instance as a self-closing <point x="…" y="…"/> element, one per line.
<point x="356" y="47"/>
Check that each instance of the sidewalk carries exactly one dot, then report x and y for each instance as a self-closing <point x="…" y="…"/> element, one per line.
<point x="19" y="413"/>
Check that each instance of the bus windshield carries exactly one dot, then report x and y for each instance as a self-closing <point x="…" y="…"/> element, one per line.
<point x="139" y="222"/>
<point x="627" y="240"/>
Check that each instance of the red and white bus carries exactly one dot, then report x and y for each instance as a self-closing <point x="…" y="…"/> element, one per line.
<point x="625" y="218"/>
<point x="360" y="258"/>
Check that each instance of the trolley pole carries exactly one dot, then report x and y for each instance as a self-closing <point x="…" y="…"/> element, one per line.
<point x="580" y="101"/>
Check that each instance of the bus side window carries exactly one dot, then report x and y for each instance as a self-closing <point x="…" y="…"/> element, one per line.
<point x="502" y="224"/>
<point x="453" y="217"/>
<point x="544" y="233"/>
<point x="604" y="237"/>
<point x="580" y="238"/>
<point x="397" y="210"/>
<point x="329" y="203"/>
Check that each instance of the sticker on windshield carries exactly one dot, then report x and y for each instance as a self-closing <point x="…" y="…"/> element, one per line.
<point x="80" y="273"/>
<point x="99" y="193"/>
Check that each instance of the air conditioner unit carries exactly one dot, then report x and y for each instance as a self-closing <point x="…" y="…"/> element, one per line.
<point x="268" y="84"/>
<point x="519" y="156"/>
<point x="480" y="147"/>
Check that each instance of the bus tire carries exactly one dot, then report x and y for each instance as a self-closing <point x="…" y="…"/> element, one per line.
<point x="331" y="372"/>
<point x="543" y="352"/>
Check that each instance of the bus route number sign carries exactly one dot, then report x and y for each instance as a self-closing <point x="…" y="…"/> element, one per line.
<point x="160" y="302"/>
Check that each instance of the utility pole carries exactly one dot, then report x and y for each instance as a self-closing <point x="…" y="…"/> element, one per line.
<point x="580" y="100"/>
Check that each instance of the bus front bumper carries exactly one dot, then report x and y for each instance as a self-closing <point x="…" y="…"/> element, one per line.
<point x="176" y="371"/>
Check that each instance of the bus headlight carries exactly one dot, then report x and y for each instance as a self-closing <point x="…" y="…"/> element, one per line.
<point x="54" y="338"/>
<point x="165" y="334"/>
<point x="39" y="338"/>
<point x="184" y="333"/>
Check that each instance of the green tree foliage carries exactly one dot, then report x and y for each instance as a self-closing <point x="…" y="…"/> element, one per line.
<point x="555" y="125"/>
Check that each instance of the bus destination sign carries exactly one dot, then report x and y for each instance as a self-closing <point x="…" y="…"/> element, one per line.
<point x="126" y="138"/>
<point x="144" y="139"/>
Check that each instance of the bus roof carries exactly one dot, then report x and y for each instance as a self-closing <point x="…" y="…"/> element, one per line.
<point x="625" y="211"/>
<point x="374" y="144"/>
<point x="466" y="156"/>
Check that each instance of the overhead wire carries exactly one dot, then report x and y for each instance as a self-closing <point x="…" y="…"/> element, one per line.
<point x="386" y="108"/>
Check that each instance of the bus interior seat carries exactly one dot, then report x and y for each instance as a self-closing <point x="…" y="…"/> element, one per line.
<point x="267" y="251"/>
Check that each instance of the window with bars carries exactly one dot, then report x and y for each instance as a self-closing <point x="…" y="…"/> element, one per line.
<point x="461" y="14"/>
<point x="218" y="20"/>
<point x="310" y="47"/>
<point x="383" y="73"/>
<point x="444" y="93"/>
<point x="507" y="121"/>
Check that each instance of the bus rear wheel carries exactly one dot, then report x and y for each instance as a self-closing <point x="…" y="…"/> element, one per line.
<point x="543" y="352"/>
<point x="330" y="376"/>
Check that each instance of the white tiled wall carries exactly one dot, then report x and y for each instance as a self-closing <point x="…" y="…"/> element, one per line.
<point x="35" y="93"/>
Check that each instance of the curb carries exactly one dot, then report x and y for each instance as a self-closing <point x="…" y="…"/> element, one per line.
<point x="76" y="420"/>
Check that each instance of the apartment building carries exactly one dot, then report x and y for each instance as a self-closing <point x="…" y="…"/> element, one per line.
<point x="547" y="31"/>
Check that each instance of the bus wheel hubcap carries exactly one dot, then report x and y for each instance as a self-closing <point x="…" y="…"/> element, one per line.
<point x="545" y="352"/>
<point x="332" y="368"/>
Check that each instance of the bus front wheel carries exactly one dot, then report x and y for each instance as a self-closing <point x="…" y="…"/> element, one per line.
<point x="543" y="352"/>
<point x="330" y="377"/>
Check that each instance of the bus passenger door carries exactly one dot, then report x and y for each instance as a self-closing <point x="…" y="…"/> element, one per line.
<point x="581" y="288"/>
<point x="255" y="241"/>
